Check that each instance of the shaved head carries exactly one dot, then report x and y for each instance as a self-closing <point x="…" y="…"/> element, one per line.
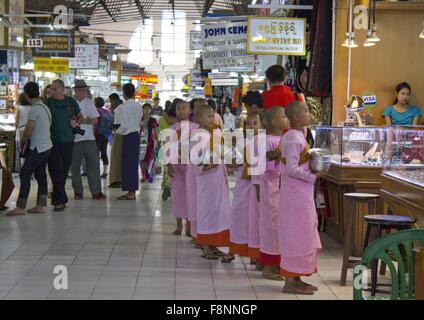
<point x="272" y="113"/>
<point x="293" y="108"/>
<point x="201" y="109"/>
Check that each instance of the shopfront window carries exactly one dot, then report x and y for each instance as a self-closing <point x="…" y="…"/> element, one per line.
<point x="173" y="38"/>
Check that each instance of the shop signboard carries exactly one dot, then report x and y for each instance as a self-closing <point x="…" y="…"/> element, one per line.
<point x="55" y="43"/>
<point x="146" y="78"/>
<point x="224" y="46"/>
<point x="276" y="36"/>
<point x="101" y="71"/>
<point x="55" y="65"/>
<point x="34" y="43"/>
<point x="86" y="57"/>
<point x="195" y="40"/>
<point x="195" y="78"/>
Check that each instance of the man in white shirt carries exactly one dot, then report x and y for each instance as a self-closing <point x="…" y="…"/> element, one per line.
<point x="229" y="120"/>
<point x="128" y="116"/>
<point x="85" y="146"/>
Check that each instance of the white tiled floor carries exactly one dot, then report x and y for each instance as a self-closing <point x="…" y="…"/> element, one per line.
<point x="125" y="250"/>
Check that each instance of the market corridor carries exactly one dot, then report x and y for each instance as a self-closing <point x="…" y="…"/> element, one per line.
<point x="125" y="250"/>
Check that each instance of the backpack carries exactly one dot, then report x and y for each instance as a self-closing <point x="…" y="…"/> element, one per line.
<point x="104" y="126"/>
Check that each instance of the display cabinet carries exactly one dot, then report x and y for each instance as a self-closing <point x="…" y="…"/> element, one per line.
<point x="403" y="171"/>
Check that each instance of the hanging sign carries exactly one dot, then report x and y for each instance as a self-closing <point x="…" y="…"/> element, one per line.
<point x="55" y="65"/>
<point x="34" y="43"/>
<point x="277" y="36"/>
<point x="55" y="44"/>
<point x="146" y="78"/>
<point x="195" y="40"/>
<point x="224" y="46"/>
<point x="86" y="57"/>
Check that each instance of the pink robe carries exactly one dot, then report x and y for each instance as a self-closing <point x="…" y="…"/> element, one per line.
<point x="254" y="212"/>
<point x="269" y="207"/>
<point x="178" y="183"/>
<point x="213" y="206"/>
<point x="191" y="189"/>
<point x="299" y="238"/>
<point x="239" y="224"/>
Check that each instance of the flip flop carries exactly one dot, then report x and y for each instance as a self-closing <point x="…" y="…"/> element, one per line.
<point x="275" y="277"/>
<point x="125" y="197"/>
<point x="219" y="253"/>
<point x="34" y="211"/>
<point x="12" y="214"/>
<point x="209" y="255"/>
<point x="298" y="290"/>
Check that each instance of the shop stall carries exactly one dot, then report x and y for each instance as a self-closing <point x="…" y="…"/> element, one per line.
<point x="355" y="167"/>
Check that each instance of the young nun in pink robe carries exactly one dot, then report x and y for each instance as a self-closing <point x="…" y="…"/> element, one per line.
<point x="276" y="122"/>
<point x="299" y="238"/>
<point x="178" y="171"/>
<point x="253" y="121"/>
<point x="213" y="202"/>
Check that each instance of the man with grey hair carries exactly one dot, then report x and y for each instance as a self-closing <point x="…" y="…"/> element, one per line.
<point x="85" y="146"/>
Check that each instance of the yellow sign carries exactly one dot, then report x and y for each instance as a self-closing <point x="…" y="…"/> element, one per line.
<point x="55" y="65"/>
<point x="273" y="35"/>
<point x="146" y="78"/>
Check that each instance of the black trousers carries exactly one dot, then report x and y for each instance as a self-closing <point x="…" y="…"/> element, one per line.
<point x="59" y="164"/>
<point x="102" y="142"/>
<point x="35" y="163"/>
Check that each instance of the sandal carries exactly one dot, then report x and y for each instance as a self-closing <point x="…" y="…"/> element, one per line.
<point x="35" y="211"/>
<point x="12" y="213"/>
<point x="125" y="197"/>
<point x="227" y="259"/>
<point x="298" y="290"/>
<point x="209" y="255"/>
<point x="275" y="277"/>
<point x="307" y="285"/>
<point x="59" y="207"/>
<point x="218" y="253"/>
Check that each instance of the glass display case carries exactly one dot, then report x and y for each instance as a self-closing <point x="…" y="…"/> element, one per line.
<point x="403" y="149"/>
<point x="351" y="146"/>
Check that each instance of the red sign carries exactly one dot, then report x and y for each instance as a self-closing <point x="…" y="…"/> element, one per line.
<point x="146" y="78"/>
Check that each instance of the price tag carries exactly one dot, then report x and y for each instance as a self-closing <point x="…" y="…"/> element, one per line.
<point x="34" y="43"/>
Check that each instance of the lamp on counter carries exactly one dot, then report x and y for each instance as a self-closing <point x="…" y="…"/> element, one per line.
<point x="353" y="106"/>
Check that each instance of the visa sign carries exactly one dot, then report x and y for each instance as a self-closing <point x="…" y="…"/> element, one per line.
<point x="369" y="100"/>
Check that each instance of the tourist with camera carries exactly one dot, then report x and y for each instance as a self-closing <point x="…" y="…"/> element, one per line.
<point x="66" y="117"/>
<point x="85" y="146"/>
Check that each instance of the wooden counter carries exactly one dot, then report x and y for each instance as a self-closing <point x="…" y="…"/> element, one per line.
<point x="403" y="198"/>
<point x="343" y="179"/>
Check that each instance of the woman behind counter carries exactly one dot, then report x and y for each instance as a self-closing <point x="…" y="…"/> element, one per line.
<point x="401" y="113"/>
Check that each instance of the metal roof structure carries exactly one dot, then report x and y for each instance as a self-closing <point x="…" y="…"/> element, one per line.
<point x="108" y="11"/>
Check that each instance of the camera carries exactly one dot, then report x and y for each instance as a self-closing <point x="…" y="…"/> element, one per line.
<point x="78" y="130"/>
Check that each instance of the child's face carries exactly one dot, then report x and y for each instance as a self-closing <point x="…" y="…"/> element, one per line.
<point x="147" y="111"/>
<point x="303" y="116"/>
<point x="254" y="122"/>
<point x="281" y="121"/>
<point x="206" y="119"/>
<point x="183" y="111"/>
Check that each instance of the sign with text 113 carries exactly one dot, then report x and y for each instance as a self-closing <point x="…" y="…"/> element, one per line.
<point x="273" y="35"/>
<point x="34" y="43"/>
